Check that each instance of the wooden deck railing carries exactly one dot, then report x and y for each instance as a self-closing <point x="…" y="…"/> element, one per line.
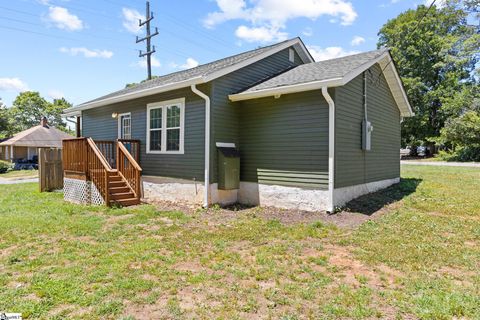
<point x="133" y="147"/>
<point x="107" y="148"/>
<point x="99" y="170"/>
<point x="74" y="155"/>
<point x="128" y="167"/>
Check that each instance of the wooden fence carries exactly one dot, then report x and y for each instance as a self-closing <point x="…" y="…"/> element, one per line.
<point x="50" y="169"/>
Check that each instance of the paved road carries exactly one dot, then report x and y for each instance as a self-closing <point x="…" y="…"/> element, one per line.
<point x="16" y="181"/>
<point x="441" y="163"/>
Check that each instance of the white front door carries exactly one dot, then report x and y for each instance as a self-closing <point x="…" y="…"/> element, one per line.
<point x="125" y="126"/>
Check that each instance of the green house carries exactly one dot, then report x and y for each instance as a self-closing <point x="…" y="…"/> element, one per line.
<point x="268" y="127"/>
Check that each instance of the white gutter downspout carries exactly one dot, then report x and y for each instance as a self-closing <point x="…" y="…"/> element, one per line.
<point x="206" y="193"/>
<point x="331" y="147"/>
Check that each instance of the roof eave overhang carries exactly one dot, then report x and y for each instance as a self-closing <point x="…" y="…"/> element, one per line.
<point x="401" y="98"/>
<point x="76" y="111"/>
<point x="301" y="87"/>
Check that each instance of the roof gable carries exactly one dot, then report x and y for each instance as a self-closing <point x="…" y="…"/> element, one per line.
<point x="331" y="73"/>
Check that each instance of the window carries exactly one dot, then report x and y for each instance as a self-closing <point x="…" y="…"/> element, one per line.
<point x="291" y="55"/>
<point x="165" y="125"/>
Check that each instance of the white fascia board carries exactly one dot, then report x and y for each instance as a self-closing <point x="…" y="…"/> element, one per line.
<point x="308" y="86"/>
<point x="254" y="59"/>
<point x="134" y="95"/>
<point x="73" y="113"/>
<point x="402" y="90"/>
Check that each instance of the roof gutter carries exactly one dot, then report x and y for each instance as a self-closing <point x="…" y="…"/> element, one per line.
<point x="206" y="191"/>
<point x="308" y="86"/>
<point x="74" y="111"/>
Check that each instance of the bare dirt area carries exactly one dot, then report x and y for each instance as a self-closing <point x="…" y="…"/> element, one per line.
<point x="351" y="216"/>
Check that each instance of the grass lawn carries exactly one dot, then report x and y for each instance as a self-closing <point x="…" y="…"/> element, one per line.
<point x="20" y="174"/>
<point x="419" y="258"/>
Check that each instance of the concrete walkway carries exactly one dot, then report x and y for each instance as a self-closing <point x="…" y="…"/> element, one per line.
<point x="17" y="180"/>
<point x="441" y="163"/>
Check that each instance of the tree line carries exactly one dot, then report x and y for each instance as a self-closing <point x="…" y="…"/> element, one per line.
<point x="27" y="110"/>
<point x="436" y="51"/>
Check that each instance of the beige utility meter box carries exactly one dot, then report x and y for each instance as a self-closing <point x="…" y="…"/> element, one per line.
<point x="228" y="166"/>
<point x="367" y="129"/>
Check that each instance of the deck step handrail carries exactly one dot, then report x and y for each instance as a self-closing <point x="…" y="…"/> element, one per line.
<point x="130" y="170"/>
<point x="99" y="171"/>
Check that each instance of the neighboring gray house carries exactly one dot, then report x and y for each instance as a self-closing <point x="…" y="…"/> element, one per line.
<point x="301" y="127"/>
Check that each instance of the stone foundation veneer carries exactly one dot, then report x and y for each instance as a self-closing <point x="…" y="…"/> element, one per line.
<point x="251" y="193"/>
<point x="283" y="197"/>
<point x="343" y="195"/>
<point x="187" y="193"/>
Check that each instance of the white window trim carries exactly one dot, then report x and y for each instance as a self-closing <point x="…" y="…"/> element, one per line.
<point x="163" y="105"/>
<point x="119" y="122"/>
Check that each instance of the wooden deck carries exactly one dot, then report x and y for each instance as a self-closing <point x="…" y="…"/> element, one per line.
<point x="107" y="164"/>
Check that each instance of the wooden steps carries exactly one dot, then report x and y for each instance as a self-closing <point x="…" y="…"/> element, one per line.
<point x="120" y="192"/>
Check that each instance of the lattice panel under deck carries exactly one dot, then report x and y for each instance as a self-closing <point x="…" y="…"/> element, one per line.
<point x="81" y="192"/>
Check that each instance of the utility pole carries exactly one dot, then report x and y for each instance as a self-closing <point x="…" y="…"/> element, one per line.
<point x="147" y="38"/>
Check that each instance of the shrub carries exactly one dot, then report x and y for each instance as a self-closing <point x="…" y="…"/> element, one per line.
<point x="5" y="166"/>
<point x="468" y="153"/>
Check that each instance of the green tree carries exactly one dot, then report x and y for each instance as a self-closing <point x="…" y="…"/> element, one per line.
<point x="29" y="108"/>
<point x="436" y="60"/>
<point x="4" y="123"/>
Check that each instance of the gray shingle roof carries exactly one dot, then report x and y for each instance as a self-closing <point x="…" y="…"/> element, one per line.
<point x="202" y="70"/>
<point x="318" y="71"/>
<point x="38" y="136"/>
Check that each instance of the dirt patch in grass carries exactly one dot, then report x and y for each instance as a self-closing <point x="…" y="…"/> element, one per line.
<point x="356" y="273"/>
<point x="223" y="216"/>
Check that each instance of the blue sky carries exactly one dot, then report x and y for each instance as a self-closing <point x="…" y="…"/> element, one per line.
<point x="82" y="49"/>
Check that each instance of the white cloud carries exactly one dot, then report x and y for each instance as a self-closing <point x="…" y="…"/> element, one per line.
<point x="87" y="53"/>
<point x="271" y="16"/>
<point x="307" y="32"/>
<point x="320" y="54"/>
<point x="143" y="63"/>
<point x="438" y="3"/>
<point x="63" y="19"/>
<point x="357" y="40"/>
<point x="130" y="20"/>
<point x="260" y="34"/>
<point x="190" y="63"/>
<point x="55" y="94"/>
<point x="278" y="12"/>
<point x="13" y="84"/>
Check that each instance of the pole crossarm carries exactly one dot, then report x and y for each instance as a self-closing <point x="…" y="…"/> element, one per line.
<point x="148" y="39"/>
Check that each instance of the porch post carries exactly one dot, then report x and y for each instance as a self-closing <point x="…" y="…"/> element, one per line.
<point x="11" y="152"/>
<point x="77" y="128"/>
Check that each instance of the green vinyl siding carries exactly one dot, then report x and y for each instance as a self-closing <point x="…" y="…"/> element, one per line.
<point x="352" y="164"/>
<point x="225" y="114"/>
<point x="99" y="124"/>
<point x="284" y="141"/>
